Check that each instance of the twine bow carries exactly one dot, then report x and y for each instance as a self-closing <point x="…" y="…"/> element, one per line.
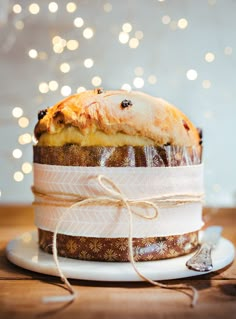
<point x="114" y="196"/>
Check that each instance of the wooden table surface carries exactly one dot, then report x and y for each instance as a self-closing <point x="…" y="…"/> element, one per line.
<point x="21" y="291"/>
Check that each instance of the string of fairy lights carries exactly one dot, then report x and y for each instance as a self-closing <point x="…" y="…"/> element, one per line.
<point x="127" y="35"/>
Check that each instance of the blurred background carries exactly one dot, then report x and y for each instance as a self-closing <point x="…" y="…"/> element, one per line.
<point x="181" y="50"/>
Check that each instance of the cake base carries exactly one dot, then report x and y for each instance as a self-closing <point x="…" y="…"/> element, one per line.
<point x="24" y="252"/>
<point x="116" y="249"/>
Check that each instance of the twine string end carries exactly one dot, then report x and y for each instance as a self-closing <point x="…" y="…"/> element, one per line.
<point x="57" y="299"/>
<point x="116" y="197"/>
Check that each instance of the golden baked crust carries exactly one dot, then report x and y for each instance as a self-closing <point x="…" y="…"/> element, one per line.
<point x="90" y="118"/>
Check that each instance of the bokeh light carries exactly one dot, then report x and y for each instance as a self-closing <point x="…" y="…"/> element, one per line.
<point x="152" y="79"/>
<point x="25" y="139"/>
<point x="42" y="55"/>
<point x="173" y="25"/>
<point x="127" y="27"/>
<point x="23" y="122"/>
<point x="58" y="44"/>
<point x="17" y="8"/>
<point x="191" y="74"/>
<point x="43" y="87"/>
<point x="19" y="25"/>
<point x="206" y="84"/>
<point x="17" y="112"/>
<point x="88" y="33"/>
<point x="88" y="63"/>
<point x="58" y="48"/>
<point x="53" y="85"/>
<point x="66" y="90"/>
<point x="138" y="71"/>
<point x="228" y="50"/>
<point x="138" y="82"/>
<point x="133" y="43"/>
<point x="34" y="8"/>
<point x="182" y="23"/>
<point x="78" y="22"/>
<point x="96" y="81"/>
<point x="53" y="7"/>
<point x="126" y="87"/>
<point x="26" y="168"/>
<point x="139" y="35"/>
<point x="17" y="153"/>
<point x="71" y="7"/>
<point x="18" y="176"/>
<point x="209" y="57"/>
<point x="65" y="67"/>
<point x="123" y="37"/>
<point x="72" y="45"/>
<point x="33" y="53"/>
<point x="166" y="19"/>
<point x="107" y="7"/>
<point x="81" y="89"/>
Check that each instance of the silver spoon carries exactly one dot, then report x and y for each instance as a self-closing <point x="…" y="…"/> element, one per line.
<point x="201" y="260"/>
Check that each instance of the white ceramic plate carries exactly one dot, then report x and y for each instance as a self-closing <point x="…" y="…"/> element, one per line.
<point x="24" y="252"/>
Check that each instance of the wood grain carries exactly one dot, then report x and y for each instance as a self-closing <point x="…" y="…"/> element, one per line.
<point x="21" y="291"/>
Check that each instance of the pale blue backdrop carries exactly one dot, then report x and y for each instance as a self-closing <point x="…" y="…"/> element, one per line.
<point x="181" y="50"/>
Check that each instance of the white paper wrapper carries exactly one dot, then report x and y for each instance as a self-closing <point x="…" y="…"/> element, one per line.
<point x="136" y="183"/>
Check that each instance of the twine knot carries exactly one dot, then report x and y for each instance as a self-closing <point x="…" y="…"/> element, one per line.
<point x="113" y="196"/>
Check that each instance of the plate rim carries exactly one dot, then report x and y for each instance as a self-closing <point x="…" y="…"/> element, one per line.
<point x="109" y="271"/>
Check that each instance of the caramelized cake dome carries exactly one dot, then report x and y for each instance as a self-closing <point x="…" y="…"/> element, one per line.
<point x="114" y="118"/>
